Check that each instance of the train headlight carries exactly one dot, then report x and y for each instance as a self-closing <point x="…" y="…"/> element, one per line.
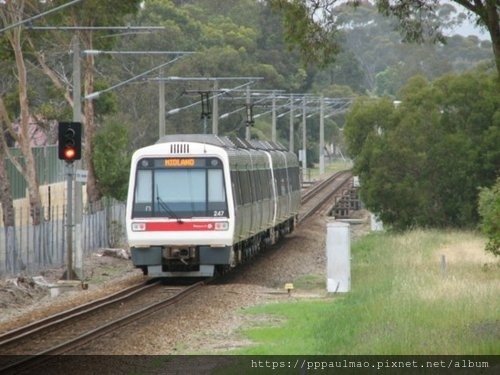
<point x="222" y="225"/>
<point x="138" y="227"/>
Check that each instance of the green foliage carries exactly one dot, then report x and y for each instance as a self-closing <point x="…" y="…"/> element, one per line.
<point x="106" y="103"/>
<point x="421" y="163"/>
<point x="489" y="209"/>
<point x="316" y="41"/>
<point x="112" y="160"/>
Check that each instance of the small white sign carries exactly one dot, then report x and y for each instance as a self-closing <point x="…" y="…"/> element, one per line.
<point x="301" y="154"/>
<point x="81" y="175"/>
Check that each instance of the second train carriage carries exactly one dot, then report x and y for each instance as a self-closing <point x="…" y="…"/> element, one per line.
<point x="198" y="203"/>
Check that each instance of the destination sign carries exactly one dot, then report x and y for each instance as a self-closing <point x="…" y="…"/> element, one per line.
<point x="180" y="162"/>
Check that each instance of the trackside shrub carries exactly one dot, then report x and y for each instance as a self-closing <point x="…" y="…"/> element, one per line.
<point x="489" y="209"/>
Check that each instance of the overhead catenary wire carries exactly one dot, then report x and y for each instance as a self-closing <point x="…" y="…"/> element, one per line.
<point x="28" y="20"/>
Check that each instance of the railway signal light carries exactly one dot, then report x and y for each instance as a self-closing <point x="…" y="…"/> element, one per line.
<point x="70" y="141"/>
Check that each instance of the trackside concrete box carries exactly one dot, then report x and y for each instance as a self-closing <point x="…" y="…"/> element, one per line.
<point x="338" y="254"/>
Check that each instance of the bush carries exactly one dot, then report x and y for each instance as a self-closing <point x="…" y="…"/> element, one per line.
<point x="112" y="160"/>
<point x="489" y="209"/>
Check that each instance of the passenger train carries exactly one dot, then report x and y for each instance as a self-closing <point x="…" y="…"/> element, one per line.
<point x="200" y="204"/>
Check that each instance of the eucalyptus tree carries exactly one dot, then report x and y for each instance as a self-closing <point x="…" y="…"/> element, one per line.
<point x="489" y="209"/>
<point x="87" y="15"/>
<point x="5" y="190"/>
<point x="35" y="48"/>
<point x="11" y="13"/>
<point x="312" y="25"/>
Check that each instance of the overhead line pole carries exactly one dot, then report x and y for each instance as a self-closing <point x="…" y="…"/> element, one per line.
<point x="304" y="139"/>
<point x="249" y="115"/>
<point x="322" y="136"/>
<point x="161" y="106"/>
<point x="77" y="216"/>
<point x="273" y="126"/>
<point x="291" y="145"/>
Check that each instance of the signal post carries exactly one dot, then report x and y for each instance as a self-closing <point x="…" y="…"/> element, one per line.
<point x="69" y="150"/>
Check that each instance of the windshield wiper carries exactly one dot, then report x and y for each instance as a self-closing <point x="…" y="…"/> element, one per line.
<point x="167" y="209"/>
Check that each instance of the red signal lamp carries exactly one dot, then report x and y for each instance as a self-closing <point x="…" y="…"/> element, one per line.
<point x="69" y="153"/>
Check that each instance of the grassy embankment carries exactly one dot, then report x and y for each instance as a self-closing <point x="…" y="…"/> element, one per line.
<point x="403" y="301"/>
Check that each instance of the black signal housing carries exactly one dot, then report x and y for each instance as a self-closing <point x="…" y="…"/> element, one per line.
<point x="70" y="141"/>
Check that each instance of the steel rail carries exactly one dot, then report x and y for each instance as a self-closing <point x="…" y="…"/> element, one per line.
<point x="66" y="315"/>
<point x="29" y="362"/>
<point x="317" y="191"/>
<point x="314" y="189"/>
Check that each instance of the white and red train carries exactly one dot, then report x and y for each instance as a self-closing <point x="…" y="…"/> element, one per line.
<point x="198" y="204"/>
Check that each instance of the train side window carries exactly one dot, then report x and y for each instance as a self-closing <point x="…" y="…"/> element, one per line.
<point x="295" y="178"/>
<point x="281" y="174"/>
<point x="241" y="183"/>
<point x="288" y="180"/>
<point x="251" y="187"/>
<point x="245" y="187"/>
<point x="236" y="187"/>
<point x="269" y="183"/>
<point x="276" y="181"/>
<point x="257" y="184"/>
<point x="263" y="184"/>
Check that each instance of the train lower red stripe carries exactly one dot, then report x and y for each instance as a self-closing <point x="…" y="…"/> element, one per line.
<point x="180" y="226"/>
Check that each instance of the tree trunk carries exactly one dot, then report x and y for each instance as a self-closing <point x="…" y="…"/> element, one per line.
<point x="93" y="192"/>
<point x="493" y="24"/>
<point x="29" y="170"/>
<point x="5" y="191"/>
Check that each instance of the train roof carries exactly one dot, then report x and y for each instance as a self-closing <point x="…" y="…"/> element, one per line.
<point x="223" y="141"/>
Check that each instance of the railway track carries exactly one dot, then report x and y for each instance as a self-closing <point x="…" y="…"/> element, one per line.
<point x="324" y="191"/>
<point x="28" y="346"/>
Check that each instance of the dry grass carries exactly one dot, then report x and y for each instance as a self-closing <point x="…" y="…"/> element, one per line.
<point x="403" y="301"/>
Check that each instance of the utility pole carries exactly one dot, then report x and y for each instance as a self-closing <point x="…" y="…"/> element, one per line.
<point x="249" y="115"/>
<point x="215" y="110"/>
<point x="304" y="139"/>
<point x="205" y="109"/>
<point x="291" y="124"/>
<point x="322" y="136"/>
<point x="273" y="130"/>
<point x="78" y="214"/>
<point x="161" y="105"/>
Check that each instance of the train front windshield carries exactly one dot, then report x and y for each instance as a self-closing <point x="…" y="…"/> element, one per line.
<point x="179" y="188"/>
